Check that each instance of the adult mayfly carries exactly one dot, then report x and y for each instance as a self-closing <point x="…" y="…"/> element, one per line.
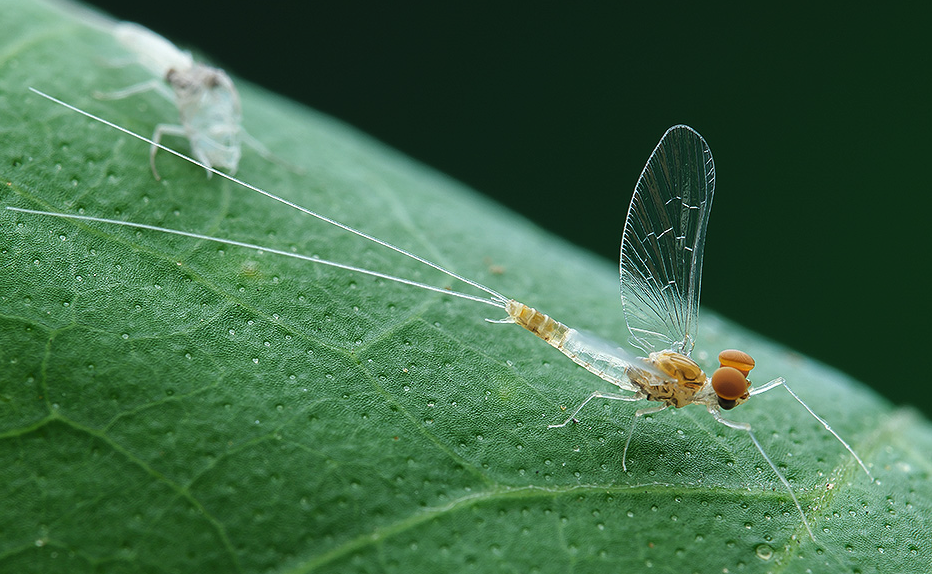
<point x="660" y="265"/>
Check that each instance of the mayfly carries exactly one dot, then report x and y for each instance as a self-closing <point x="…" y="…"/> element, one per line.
<point x="661" y="263"/>
<point x="207" y="101"/>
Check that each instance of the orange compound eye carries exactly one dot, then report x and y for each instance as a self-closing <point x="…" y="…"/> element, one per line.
<point x="729" y="383"/>
<point x="736" y="359"/>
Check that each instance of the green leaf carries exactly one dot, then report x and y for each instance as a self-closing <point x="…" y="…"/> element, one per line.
<point x="171" y="405"/>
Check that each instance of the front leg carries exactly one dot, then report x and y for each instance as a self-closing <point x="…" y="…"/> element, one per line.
<point x="713" y="410"/>
<point x="779" y="381"/>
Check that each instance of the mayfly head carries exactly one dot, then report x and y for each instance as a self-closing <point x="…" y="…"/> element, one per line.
<point x="729" y="381"/>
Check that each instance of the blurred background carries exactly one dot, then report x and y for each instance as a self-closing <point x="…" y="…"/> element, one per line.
<point x="818" y="118"/>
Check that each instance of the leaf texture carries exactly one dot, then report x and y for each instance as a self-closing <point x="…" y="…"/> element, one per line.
<point x="170" y="405"/>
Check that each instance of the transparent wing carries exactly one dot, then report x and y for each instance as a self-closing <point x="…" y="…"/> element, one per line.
<point x="661" y="248"/>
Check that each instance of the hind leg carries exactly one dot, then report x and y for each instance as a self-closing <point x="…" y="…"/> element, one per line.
<point x="596" y="395"/>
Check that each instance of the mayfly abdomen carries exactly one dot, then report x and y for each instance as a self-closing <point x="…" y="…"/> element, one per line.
<point x="597" y="356"/>
<point x="541" y="324"/>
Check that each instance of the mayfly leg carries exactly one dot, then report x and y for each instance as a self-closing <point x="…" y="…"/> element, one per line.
<point x="136" y="89"/>
<point x="595" y="395"/>
<point x="746" y="427"/>
<point x="640" y="413"/>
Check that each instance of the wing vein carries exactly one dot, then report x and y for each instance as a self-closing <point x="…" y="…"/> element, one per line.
<point x="663" y="240"/>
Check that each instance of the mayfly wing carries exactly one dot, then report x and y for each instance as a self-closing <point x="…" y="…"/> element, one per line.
<point x="661" y="248"/>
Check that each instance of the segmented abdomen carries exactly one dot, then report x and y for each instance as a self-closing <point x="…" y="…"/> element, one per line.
<point x="597" y="356"/>
<point x="554" y="332"/>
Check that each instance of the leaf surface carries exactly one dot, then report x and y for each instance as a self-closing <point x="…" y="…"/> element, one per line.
<point x="171" y="405"/>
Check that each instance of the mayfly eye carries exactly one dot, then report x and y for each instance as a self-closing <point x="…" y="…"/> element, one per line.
<point x="729" y="383"/>
<point x="736" y="359"/>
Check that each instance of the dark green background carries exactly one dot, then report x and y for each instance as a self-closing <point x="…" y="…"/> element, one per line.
<point x="818" y="119"/>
